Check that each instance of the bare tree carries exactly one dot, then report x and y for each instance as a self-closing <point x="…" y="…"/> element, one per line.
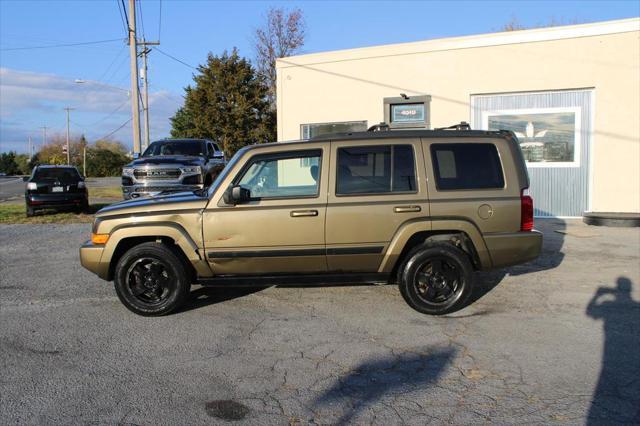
<point x="282" y="35"/>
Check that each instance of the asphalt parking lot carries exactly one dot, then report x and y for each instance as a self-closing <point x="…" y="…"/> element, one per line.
<point x="553" y="341"/>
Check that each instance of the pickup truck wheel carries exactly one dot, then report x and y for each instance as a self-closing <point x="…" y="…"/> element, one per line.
<point x="151" y="280"/>
<point x="436" y="278"/>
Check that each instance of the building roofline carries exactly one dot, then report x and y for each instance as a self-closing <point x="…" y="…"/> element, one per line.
<point x="466" y="42"/>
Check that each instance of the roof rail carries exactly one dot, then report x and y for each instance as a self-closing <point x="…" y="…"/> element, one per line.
<point x="463" y="125"/>
<point x="382" y="127"/>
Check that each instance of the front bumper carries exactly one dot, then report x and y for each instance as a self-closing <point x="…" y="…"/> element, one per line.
<point x="63" y="199"/>
<point x="90" y="258"/>
<point x="513" y="248"/>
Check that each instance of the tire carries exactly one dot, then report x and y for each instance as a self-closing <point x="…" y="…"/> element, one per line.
<point x="30" y="211"/>
<point x="436" y="278"/>
<point x="150" y="280"/>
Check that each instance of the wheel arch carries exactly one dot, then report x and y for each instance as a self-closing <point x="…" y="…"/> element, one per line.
<point x="123" y="238"/>
<point x="460" y="233"/>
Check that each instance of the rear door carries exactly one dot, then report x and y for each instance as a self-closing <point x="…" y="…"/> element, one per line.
<point x="281" y="229"/>
<point x="375" y="187"/>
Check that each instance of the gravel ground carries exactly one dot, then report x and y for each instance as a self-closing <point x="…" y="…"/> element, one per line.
<point x="535" y="347"/>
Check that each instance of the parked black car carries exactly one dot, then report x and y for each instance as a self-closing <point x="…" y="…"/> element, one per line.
<point x="55" y="187"/>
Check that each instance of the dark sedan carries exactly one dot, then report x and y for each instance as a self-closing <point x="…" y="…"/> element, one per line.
<point x="55" y="187"/>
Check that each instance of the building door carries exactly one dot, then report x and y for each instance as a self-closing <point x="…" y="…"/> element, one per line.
<point x="555" y="131"/>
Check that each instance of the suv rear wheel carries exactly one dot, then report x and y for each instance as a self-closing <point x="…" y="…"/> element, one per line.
<point x="151" y="280"/>
<point x="436" y="278"/>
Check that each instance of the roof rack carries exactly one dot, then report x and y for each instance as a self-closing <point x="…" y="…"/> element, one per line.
<point x="382" y="127"/>
<point x="463" y="125"/>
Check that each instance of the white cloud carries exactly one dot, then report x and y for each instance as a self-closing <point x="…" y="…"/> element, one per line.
<point x="29" y="100"/>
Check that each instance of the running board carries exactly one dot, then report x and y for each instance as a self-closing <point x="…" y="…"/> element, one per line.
<point x="294" y="280"/>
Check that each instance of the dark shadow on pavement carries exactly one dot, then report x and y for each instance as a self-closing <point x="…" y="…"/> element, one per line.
<point x="374" y="379"/>
<point x="616" y="399"/>
<point x="205" y="296"/>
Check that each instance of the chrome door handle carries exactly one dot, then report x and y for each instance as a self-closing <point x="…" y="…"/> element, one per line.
<point x="303" y="213"/>
<point x="406" y="209"/>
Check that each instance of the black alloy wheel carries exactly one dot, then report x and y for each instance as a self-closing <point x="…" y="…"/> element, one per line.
<point x="436" y="278"/>
<point x="150" y="279"/>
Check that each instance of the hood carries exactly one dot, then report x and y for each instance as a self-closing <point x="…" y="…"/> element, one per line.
<point x="179" y="160"/>
<point x="160" y="204"/>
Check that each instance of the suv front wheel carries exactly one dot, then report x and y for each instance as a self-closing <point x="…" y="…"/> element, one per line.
<point x="436" y="278"/>
<point x="151" y="280"/>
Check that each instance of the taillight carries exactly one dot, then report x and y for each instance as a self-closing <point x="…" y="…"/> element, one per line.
<point x="526" y="211"/>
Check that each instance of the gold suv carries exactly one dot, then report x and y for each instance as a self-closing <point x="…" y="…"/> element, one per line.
<point x="420" y="208"/>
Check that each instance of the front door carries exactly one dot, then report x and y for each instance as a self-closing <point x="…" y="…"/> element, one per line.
<point x="374" y="189"/>
<point x="281" y="229"/>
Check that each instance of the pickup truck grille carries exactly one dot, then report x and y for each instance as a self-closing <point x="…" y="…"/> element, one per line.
<point x="157" y="174"/>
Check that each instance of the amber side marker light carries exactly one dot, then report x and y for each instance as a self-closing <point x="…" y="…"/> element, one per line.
<point x="99" y="238"/>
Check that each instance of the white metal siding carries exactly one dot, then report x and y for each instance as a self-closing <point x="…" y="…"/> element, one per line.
<point x="556" y="191"/>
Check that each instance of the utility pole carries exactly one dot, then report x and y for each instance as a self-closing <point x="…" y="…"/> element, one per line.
<point x="44" y="135"/>
<point x="68" y="147"/>
<point x="30" y="149"/>
<point x="145" y="100"/>
<point x="133" y="52"/>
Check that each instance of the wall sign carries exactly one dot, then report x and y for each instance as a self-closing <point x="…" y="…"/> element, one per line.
<point x="407" y="113"/>
<point x="410" y="112"/>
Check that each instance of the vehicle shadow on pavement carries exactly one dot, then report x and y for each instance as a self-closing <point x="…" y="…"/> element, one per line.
<point x="617" y="395"/>
<point x="205" y="296"/>
<point x="551" y="257"/>
<point x="378" y="378"/>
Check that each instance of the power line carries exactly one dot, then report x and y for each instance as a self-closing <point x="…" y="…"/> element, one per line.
<point x="176" y="59"/>
<point x="84" y="43"/>
<point x="141" y="20"/>
<point x="126" y="18"/>
<point x="112" y="63"/>
<point x="124" y="25"/>
<point x="120" y="127"/>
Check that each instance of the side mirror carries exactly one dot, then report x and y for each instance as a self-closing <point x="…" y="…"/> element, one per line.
<point x="25" y="178"/>
<point x="236" y="195"/>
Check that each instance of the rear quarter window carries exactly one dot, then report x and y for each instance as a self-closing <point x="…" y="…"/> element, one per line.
<point x="467" y="166"/>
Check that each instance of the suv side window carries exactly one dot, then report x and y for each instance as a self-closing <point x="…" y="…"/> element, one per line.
<point x="377" y="169"/>
<point x="211" y="149"/>
<point x="467" y="166"/>
<point x="282" y="175"/>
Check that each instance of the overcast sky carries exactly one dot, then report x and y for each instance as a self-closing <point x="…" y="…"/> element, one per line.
<point x="36" y="84"/>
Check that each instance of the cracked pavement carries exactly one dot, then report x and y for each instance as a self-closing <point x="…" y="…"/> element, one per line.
<point x="553" y="341"/>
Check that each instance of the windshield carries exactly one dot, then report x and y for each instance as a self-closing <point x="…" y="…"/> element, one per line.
<point x="193" y="148"/>
<point x="63" y="174"/>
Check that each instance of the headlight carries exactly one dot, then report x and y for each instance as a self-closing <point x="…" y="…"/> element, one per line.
<point x="32" y="186"/>
<point x="127" y="171"/>
<point x="195" y="169"/>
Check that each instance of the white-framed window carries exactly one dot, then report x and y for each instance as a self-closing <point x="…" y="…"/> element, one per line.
<point x="549" y="137"/>
<point x="307" y="131"/>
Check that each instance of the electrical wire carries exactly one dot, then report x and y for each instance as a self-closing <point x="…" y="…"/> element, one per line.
<point x="175" y="59"/>
<point x="124" y="25"/>
<point x="50" y="46"/>
<point x="124" y="9"/>
<point x="140" y="16"/>
<point x="112" y="63"/>
<point x="119" y="127"/>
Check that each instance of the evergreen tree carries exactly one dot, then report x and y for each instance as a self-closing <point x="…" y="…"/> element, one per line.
<point x="228" y="104"/>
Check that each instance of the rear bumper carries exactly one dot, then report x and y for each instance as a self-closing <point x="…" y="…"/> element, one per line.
<point x="90" y="258"/>
<point x="65" y="199"/>
<point x="508" y="249"/>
